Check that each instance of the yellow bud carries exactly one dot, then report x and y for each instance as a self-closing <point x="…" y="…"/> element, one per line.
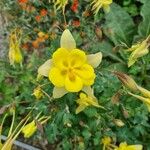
<point x="127" y="81"/>
<point x="38" y="93"/>
<point x="15" y="55"/>
<point x="119" y="122"/>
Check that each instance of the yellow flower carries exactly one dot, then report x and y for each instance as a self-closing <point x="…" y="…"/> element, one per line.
<point x="30" y="128"/>
<point x="38" y="93"/>
<point x="124" y="146"/>
<point x="15" y="55"/>
<point x="85" y="101"/>
<point x="98" y="4"/>
<point x="70" y="69"/>
<point x="138" y="50"/>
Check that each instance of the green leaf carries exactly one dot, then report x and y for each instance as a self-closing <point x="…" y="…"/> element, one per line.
<point x="144" y="27"/>
<point x="120" y="27"/>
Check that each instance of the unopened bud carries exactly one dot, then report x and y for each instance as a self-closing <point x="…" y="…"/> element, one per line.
<point x="127" y="81"/>
<point x="38" y="93"/>
<point x="119" y="122"/>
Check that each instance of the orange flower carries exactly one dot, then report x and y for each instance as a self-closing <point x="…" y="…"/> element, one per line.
<point x="25" y="46"/>
<point x="35" y="44"/>
<point x="38" y="18"/>
<point x="74" y="6"/>
<point x="40" y="39"/>
<point x="76" y="23"/>
<point x="43" y="12"/>
<point x="46" y="36"/>
<point x="22" y="1"/>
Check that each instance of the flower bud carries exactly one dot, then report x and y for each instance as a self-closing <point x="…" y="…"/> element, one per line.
<point x="127" y="81"/>
<point x="119" y="122"/>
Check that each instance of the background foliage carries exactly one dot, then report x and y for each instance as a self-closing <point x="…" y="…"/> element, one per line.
<point x="127" y="22"/>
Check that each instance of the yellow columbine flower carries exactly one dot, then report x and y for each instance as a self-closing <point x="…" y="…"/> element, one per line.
<point x="98" y="4"/>
<point x="70" y="69"/>
<point x="85" y="101"/>
<point x="38" y="92"/>
<point x="138" y="50"/>
<point x="30" y="128"/>
<point x="124" y="146"/>
<point x="15" y="55"/>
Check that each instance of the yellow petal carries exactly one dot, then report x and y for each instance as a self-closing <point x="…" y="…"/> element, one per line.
<point x="57" y="77"/>
<point x="60" y="58"/>
<point x="80" y="108"/>
<point x="45" y="68"/>
<point x="106" y="8"/>
<point x="67" y="41"/>
<point x="92" y="101"/>
<point x="73" y="85"/>
<point x="86" y="72"/>
<point x="29" y="129"/>
<point x="135" y="147"/>
<point x="94" y="59"/>
<point x="59" y="92"/>
<point x="143" y="99"/>
<point x="89" y="91"/>
<point x="145" y="92"/>
<point x="136" y="54"/>
<point x="148" y="106"/>
<point x="82" y="95"/>
<point x="77" y="58"/>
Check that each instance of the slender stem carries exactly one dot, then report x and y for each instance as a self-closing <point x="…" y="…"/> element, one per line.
<point x="63" y="11"/>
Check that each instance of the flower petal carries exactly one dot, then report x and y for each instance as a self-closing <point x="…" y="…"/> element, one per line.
<point x="89" y="91"/>
<point x="56" y="77"/>
<point x="45" y="68"/>
<point x="67" y="41"/>
<point x="106" y="8"/>
<point x="94" y="59"/>
<point x="60" y="58"/>
<point x="59" y="92"/>
<point x="85" y="72"/>
<point x="136" y="147"/>
<point x="77" y="58"/>
<point x="80" y="108"/>
<point x="73" y="85"/>
<point x="145" y="92"/>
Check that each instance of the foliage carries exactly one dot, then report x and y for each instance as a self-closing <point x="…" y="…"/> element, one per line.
<point x="127" y="23"/>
